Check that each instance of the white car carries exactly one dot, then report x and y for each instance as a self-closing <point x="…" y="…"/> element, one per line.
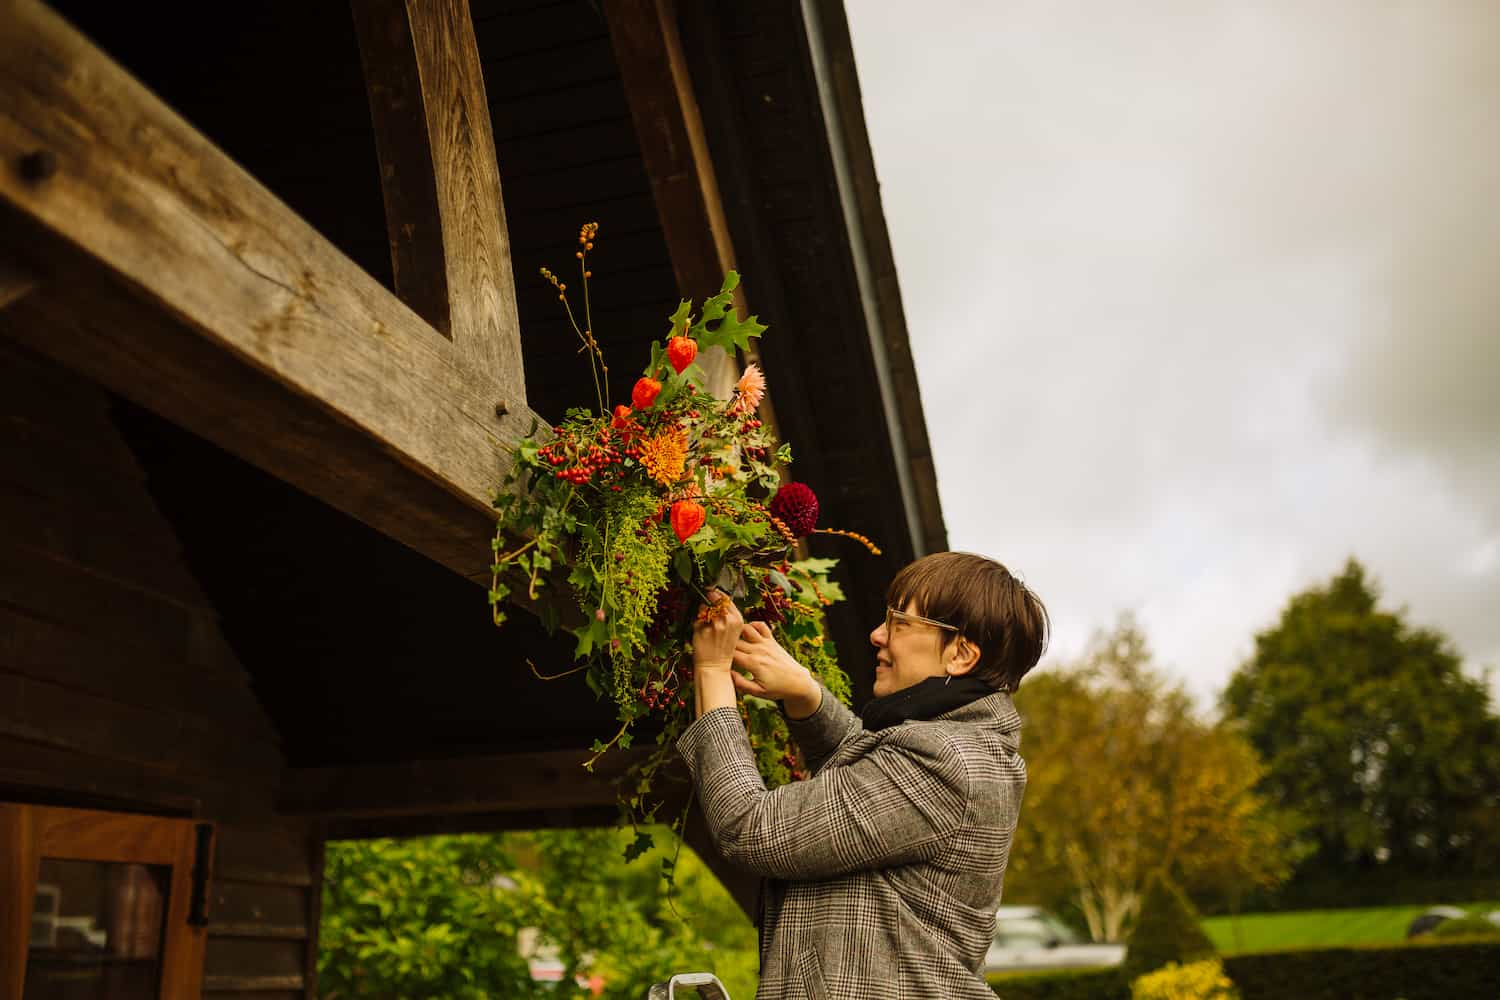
<point x="1028" y="937"/>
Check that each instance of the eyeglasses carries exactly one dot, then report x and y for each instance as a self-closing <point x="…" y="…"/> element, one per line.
<point x="907" y="619"/>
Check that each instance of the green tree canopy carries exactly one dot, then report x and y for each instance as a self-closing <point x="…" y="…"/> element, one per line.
<point x="1124" y="780"/>
<point x="1371" y="730"/>
<point x="447" y="917"/>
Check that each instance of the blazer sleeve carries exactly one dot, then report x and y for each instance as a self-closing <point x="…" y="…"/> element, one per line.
<point x="894" y="806"/>
<point x="820" y="734"/>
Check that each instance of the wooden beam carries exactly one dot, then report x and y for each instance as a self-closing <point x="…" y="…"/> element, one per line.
<point x="499" y="792"/>
<point x="444" y="215"/>
<point x="463" y="785"/>
<point x="175" y="279"/>
<point x="15" y="282"/>
<point x="670" y="129"/>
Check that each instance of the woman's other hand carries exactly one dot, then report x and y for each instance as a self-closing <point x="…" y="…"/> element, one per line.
<point x="715" y="632"/>
<point x="774" y="673"/>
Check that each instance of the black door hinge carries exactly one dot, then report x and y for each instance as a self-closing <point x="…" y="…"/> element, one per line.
<point x="198" y="905"/>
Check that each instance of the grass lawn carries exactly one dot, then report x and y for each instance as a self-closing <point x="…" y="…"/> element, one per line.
<point x="1255" y="932"/>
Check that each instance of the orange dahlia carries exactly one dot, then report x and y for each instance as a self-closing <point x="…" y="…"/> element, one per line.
<point x="665" y="455"/>
<point x="749" y="391"/>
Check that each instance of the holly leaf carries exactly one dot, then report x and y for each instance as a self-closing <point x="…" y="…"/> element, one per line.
<point x="815" y="567"/>
<point x="732" y="333"/>
<point x="678" y="319"/>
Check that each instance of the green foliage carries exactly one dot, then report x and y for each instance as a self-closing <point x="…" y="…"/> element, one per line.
<point x="1414" y="972"/>
<point x="1370" y="728"/>
<point x="1124" y="780"/>
<point x="1203" y="980"/>
<point x="1466" y="927"/>
<point x="420" y="918"/>
<point x="1167" y="930"/>
<point x="445" y="917"/>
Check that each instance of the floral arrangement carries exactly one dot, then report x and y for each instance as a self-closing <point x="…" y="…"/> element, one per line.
<point x="648" y="506"/>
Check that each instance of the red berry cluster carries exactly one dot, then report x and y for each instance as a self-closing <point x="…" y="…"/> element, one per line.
<point x="579" y="460"/>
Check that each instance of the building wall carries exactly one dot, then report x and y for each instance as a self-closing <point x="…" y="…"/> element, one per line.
<point x="117" y="689"/>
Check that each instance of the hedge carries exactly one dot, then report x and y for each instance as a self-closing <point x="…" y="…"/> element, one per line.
<point x="1414" y="972"/>
<point x="1435" y="971"/>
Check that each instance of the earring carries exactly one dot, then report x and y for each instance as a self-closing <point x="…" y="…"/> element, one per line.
<point x="948" y="681"/>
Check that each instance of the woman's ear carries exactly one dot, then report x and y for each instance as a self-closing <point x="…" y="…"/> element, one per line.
<point x="961" y="656"/>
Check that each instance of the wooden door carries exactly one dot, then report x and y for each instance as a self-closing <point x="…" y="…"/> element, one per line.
<point x="100" y="905"/>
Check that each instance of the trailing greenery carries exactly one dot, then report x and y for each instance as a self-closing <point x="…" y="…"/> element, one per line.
<point x="1167" y="930"/>
<point x="650" y="506"/>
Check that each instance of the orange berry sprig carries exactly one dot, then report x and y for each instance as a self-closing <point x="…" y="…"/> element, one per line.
<point x="861" y="539"/>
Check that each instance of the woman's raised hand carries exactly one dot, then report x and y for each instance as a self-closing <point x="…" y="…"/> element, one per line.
<point x="715" y="632"/>
<point x="773" y="672"/>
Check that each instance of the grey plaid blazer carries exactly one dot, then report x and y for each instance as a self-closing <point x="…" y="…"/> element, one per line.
<point x="884" y="869"/>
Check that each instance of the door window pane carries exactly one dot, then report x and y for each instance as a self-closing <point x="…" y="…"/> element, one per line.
<point x="96" y="931"/>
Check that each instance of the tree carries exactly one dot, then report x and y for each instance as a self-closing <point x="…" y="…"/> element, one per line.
<point x="1166" y="931"/>
<point x="421" y="918"/>
<point x="1370" y="728"/>
<point x="1125" y="780"/>
<point x="442" y="916"/>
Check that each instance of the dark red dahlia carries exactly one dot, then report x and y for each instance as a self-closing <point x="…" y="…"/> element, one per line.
<point x="797" y="506"/>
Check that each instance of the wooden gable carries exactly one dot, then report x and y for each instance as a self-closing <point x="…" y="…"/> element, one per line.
<point x="303" y="313"/>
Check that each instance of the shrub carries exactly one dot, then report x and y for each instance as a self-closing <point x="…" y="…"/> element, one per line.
<point x="1195" y="981"/>
<point x="1090" y="984"/>
<point x="1462" y="927"/>
<point x="1167" y="930"/>
<point x="1436" y="971"/>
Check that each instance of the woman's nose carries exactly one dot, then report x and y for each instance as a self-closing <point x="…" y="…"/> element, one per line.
<point x="878" y="635"/>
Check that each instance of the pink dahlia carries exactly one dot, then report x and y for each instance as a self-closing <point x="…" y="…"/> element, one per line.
<point x="797" y="507"/>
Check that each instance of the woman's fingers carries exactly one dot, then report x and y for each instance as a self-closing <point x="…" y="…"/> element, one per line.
<point x="747" y="686"/>
<point x="762" y="628"/>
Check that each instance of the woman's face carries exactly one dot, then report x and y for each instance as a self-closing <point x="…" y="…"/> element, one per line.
<point x="908" y="652"/>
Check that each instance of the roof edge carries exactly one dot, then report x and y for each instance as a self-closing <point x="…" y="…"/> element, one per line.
<point x="832" y="52"/>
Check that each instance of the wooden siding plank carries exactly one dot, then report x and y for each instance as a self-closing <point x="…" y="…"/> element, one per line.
<point x="35" y="772"/>
<point x="265" y="856"/>
<point x="248" y="909"/>
<point x="44" y="650"/>
<point x="51" y="715"/>
<point x="194" y="291"/>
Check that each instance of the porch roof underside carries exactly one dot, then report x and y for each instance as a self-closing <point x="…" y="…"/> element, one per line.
<point x="364" y="651"/>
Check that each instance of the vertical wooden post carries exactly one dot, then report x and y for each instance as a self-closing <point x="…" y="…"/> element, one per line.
<point x="17" y="896"/>
<point x="667" y="122"/>
<point x="450" y="248"/>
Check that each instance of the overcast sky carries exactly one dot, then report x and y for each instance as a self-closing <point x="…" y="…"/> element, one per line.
<point x="1204" y="298"/>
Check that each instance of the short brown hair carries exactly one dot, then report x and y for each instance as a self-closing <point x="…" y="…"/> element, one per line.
<point x="988" y="606"/>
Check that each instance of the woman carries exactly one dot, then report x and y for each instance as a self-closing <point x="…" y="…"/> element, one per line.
<point x="884" y="868"/>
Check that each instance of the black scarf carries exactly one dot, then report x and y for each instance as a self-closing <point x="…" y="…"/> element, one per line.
<point x="923" y="701"/>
